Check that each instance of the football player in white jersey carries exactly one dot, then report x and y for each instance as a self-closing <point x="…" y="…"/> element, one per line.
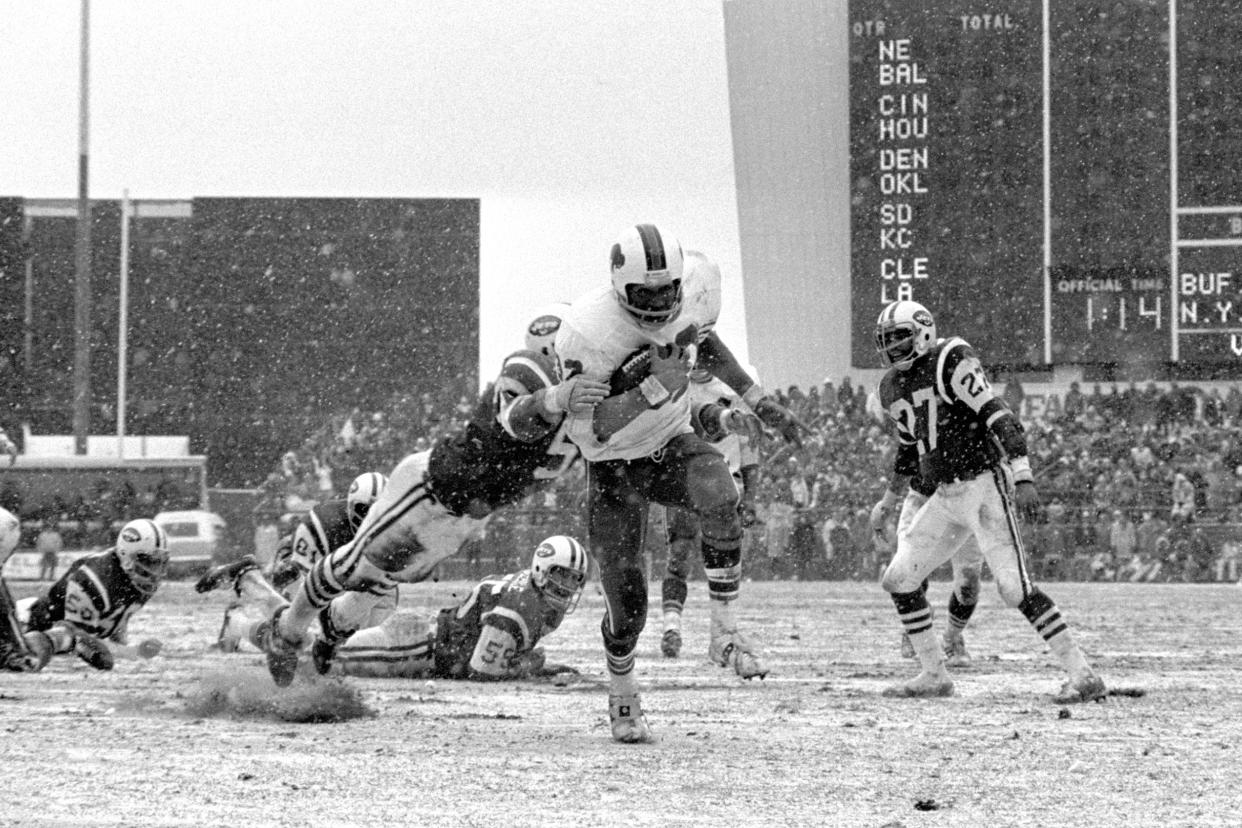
<point x="492" y="634"/>
<point x="640" y="334"/>
<point x="955" y="434"/>
<point x="729" y="425"/>
<point x="514" y="442"/>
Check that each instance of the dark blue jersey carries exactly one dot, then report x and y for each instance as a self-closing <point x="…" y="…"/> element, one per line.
<point x="950" y="425"/>
<point x="507" y="448"/>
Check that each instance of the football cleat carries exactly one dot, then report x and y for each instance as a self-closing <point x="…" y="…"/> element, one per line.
<point x="629" y="725"/>
<point x="670" y="644"/>
<point x="93" y="651"/>
<point x="230" y="635"/>
<point x="229" y="572"/>
<point x="729" y="648"/>
<point x="955" y="654"/>
<point x="282" y="654"/>
<point x="1089" y="687"/>
<point x="923" y="686"/>
<point x="907" y="647"/>
<point x="323" y="652"/>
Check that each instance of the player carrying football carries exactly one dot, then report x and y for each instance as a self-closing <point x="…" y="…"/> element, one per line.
<point x="955" y="434"/>
<point x="641" y="333"/>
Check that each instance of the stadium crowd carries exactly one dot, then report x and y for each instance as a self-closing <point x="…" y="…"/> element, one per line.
<point x="1140" y="483"/>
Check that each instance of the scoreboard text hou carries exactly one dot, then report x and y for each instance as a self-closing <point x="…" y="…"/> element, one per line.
<point x="1010" y="167"/>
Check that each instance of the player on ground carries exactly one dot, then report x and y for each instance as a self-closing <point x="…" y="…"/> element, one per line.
<point x="513" y="443"/>
<point x="640" y="334"/>
<point x="955" y="433"/>
<point x="14" y="655"/>
<point x="490" y="635"/>
<point x="325" y="527"/>
<point x="95" y="598"/>
<point x="730" y="426"/>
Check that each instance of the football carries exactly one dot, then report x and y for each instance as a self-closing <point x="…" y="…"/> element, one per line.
<point x="633" y="370"/>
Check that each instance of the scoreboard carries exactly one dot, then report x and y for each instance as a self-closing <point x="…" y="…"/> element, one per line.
<point x="1059" y="182"/>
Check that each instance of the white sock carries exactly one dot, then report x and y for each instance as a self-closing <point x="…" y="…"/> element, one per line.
<point x="672" y="620"/>
<point x="626" y="685"/>
<point x="927" y="648"/>
<point x="723" y="615"/>
<point x="1068" y="653"/>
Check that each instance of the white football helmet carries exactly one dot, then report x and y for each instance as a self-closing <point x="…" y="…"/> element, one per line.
<point x="541" y="332"/>
<point x="559" y="570"/>
<point x="647" y="270"/>
<point x="142" y="548"/>
<point x="362" y="493"/>
<point x="903" y="333"/>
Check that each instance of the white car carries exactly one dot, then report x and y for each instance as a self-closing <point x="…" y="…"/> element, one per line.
<point x="194" y="537"/>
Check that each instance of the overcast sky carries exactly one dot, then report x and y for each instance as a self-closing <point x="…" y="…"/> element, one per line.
<point x="568" y="119"/>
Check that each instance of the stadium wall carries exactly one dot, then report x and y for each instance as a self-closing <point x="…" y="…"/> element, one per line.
<point x="790" y="156"/>
<point x="254" y="322"/>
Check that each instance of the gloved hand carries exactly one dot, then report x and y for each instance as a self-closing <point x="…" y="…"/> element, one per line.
<point x="576" y="394"/>
<point x="879" y="517"/>
<point x="778" y="417"/>
<point x="670" y="366"/>
<point x="529" y="664"/>
<point x="737" y="421"/>
<point x="747" y="512"/>
<point x="1027" y="498"/>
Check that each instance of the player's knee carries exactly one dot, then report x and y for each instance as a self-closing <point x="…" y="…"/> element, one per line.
<point x="968" y="586"/>
<point x="678" y="568"/>
<point x="1010" y="590"/>
<point x="898" y="580"/>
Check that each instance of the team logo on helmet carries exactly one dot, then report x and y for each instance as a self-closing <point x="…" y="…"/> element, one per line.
<point x="923" y="317"/>
<point x="618" y="258"/>
<point x="544" y="325"/>
<point x="545" y="550"/>
<point x="130" y="534"/>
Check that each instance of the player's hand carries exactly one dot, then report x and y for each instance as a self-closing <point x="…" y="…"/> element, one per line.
<point x="737" y="421"/>
<point x="576" y="395"/>
<point x="879" y="516"/>
<point x="670" y="365"/>
<point x="747" y="512"/>
<point x="1027" y="499"/>
<point x="778" y="417"/>
<point x="531" y="663"/>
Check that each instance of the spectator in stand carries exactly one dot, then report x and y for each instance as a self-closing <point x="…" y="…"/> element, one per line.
<point x="1075" y="403"/>
<point x="1183" y="494"/>
<point x="1233" y="407"/>
<point x="49" y="544"/>
<point x="1200" y="554"/>
<point x="1014" y="394"/>
<point x="1226" y="565"/>
<point x="1122" y="538"/>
